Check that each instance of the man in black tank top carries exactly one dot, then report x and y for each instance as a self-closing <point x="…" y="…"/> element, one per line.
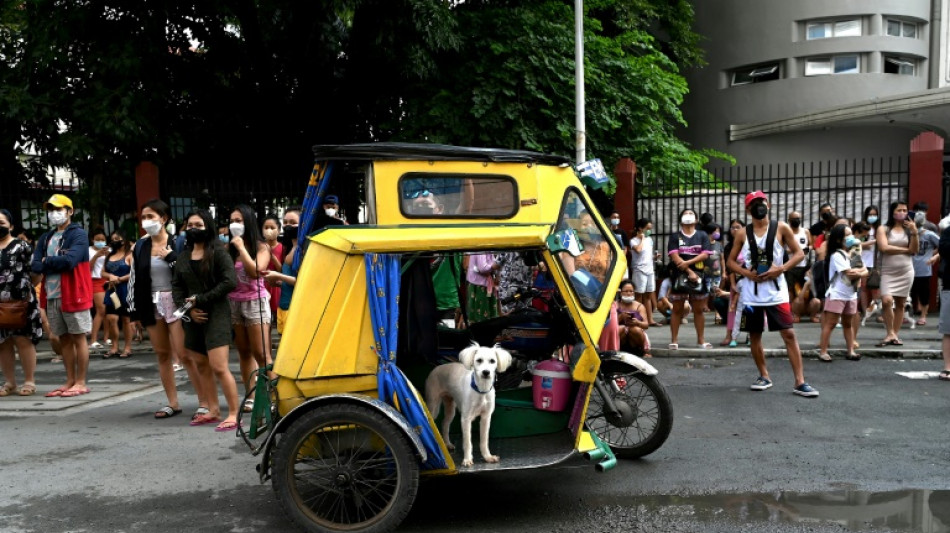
<point x="764" y="270"/>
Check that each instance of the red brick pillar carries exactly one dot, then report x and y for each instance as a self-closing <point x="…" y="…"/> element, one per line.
<point x="626" y="173"/>
<point x="926" y="173"/>
<point x="146" y="185"/>
<point x="926" y="184"/>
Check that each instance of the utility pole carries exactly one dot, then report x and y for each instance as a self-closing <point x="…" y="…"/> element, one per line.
<point x="580" y="133"/>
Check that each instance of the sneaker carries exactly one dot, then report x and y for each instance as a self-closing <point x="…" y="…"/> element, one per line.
<point x="806" y="390"/>
<point x="761" y="383"/>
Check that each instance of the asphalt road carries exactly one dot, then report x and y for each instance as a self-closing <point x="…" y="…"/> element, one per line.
<point x="735" y="461"/>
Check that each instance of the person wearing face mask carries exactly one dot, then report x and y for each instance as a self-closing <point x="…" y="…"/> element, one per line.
<point x="826" y="220"/>
<point x="97" y="259"/>
<point x="642" y="261"/>
<point x="632" y="322"/>
<point x="688" y="250"/>
<point x="841" y="300"/>
<point x="897" y="242"/>
<point x="62" y="258"/>
<point x="330" y="214"/>
<point x="150" y="303"/>
<point x="250" y="301"/>
<point x="16" y="289"/>
<point x="795" y="277"/>
<point x="270" y="230"/>
<point x="924" y="260"/>
<point x="718" y="297"/>
<point x="764" y="290"/>
<point x="117" y="273"/>
<point x="287" y="277"/>
<point x="618" y="232"/>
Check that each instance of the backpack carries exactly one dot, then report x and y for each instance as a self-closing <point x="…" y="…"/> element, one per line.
<point x="769" y="249"/>
<point x="819" y="278"/>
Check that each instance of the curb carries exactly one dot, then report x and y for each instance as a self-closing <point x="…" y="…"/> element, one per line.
<point x="699" y="353"/>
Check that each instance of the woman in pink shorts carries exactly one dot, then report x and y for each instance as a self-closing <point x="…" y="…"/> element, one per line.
<point x="841" y="300"/>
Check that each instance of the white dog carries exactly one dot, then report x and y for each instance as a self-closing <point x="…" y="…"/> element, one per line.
<point x="470" y="385"/>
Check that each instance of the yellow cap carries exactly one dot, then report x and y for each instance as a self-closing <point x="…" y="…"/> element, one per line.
<point x="58" y="201"/>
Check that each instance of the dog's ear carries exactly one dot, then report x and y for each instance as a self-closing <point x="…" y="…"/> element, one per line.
<point x="504" y="358"/>
<point x="467" y="356"/>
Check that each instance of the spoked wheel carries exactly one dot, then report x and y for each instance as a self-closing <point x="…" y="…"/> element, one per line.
<point x="345" y="468"/>
<point x="645" y="412"/>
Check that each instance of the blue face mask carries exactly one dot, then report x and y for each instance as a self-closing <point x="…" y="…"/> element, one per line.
<point x="850" y="241"/>
<point x="223" y="238"/>
<point x="872" y="219"/>
<point x="99" y="244"/>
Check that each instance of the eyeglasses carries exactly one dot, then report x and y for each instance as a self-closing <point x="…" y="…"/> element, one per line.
<point x="424" y="193"/>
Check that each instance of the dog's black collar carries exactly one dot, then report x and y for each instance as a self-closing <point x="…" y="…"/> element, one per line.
<point x="475" y="387"/>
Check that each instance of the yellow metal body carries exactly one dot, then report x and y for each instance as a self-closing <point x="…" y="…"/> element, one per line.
<point x="328" y="347"/>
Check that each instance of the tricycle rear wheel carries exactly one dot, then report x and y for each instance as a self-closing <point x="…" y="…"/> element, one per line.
<point x="345" y="467"/>
<point x="646" y="412"/>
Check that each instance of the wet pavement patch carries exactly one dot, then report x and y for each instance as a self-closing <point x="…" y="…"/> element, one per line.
<point x="707" y="364"/>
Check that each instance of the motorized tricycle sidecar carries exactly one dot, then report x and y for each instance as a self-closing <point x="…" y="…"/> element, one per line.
<point x="343" y="431"/>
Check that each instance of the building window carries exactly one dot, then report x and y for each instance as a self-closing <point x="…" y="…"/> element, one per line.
<point x="826" y="30"/>
<point x="820" y="66"/>
<point x="756" y="74"/>
<point x="900" y="28"/>
<point x="900" y="65"/>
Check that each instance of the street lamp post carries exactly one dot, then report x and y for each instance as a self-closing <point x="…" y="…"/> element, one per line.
<point x="580" y="134"/>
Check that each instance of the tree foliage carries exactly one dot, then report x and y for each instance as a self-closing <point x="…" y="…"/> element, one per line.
<point x="241" y="89"/>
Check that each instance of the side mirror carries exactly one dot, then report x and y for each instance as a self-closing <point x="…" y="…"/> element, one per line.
<point x="565" y="241"/>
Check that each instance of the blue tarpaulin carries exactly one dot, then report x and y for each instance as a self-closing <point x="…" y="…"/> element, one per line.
<point x="312" y="203"/>
<point x="382" y="281"/>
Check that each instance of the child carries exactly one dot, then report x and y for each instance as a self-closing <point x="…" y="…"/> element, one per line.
<point x="841" y="299"/>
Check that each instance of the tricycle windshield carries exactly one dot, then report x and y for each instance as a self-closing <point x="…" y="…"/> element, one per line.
<point x="589" y="261"/>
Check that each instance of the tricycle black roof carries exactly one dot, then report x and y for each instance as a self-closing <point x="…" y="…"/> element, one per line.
<point x="431" y="152"/>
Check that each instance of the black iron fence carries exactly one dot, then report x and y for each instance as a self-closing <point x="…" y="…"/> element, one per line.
<point x="849" y="186"/>
<point x="220" y="196"/>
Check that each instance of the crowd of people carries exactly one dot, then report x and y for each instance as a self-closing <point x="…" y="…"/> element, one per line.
<point x="195" y="289"/>
<point x="198" y="288"/>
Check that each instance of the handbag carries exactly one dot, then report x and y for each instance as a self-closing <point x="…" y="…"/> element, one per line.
<point x="14" y="315"/>
<point x="682" y="285"/>
<point x="874" y="279"/>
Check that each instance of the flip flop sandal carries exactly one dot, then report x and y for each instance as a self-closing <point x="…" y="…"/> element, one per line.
<point x="167" y="412"/>
<point x="56" y="393"/>
<point x="248" y="406"/>
<point x="226" y="426"/>
<point x="28" y="389"/>
<point x="109" y="355"/>
<point x="201" y="420"/>
<point x="853" y="357"/>
<point x="7" y="389"/>
<point x="944" y="375"/>
<point x="125" y="355"/>
<point x="674" y="346"/>
<point x="71" y="393"/>
<point x="706" y="346"/>
<point x="200" y="411"/>
<point x="825" y="357"/>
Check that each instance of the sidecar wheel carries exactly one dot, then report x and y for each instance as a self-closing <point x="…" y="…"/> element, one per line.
<point x="646" y="413"/>
<point x="345" y="468"/>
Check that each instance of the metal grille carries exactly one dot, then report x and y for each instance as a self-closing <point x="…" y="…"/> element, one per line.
<point x="849" y="186"/>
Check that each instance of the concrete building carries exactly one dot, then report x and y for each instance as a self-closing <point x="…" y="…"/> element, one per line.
<point x="818" y="80"/>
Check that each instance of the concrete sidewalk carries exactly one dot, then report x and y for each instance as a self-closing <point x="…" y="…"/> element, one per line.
<point x="923" y="342"/>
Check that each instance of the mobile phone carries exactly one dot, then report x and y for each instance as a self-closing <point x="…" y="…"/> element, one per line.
<point x="761" y="269"/>
<point x="912" y="215"/>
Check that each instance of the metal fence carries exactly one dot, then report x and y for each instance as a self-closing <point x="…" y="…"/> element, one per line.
<point x="220" y="196"/>
<point x="849" y="186"/>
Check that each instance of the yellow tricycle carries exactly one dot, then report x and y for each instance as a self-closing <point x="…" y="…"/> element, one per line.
<point x="340" y="422"/>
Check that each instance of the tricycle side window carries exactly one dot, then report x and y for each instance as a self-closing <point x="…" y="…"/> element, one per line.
<point x="584" y="251"/>
<point x="443" y="195"/>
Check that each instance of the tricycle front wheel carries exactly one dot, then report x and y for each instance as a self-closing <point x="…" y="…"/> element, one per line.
<point x="645" y="416"/>
<point x="345" y="468"/>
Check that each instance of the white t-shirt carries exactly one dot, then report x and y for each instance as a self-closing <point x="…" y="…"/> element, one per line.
<point x="642" y="261"/>
<point x="766" y="293"/>
<point x="665" y="287"/>
<point x="98" y="264"/>
<point x="802" y="237"/>
<point x="841" y="288"/>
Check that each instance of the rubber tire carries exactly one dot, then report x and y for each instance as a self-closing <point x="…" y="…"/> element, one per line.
<point x="664" y="409"/>
<point x="405" y="462"/>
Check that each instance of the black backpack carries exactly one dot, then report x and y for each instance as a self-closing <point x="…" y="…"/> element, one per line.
<point x="769" y="249"/>
<point x="819" y="278"/>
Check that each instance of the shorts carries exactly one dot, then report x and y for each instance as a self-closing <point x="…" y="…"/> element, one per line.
<point x="98" y="285"/>
<point x="683" y="296"/>
<point x="944" y="325"/>
<point x="795" y="277"/>
<point x="841" y="307"/>
<point x="754" y="316"/>
<point x="251" y="312"/>
<point x="61" y="323"/>
<point x="920" y="290"/>
<point x="643" y="282"/>
<point x="164" y="306"/>
<point x="281" y="320"/>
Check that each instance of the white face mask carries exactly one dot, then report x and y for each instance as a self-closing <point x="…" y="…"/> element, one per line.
<point x="237" y="229"/>
<point x="57" y="217"/>
<point x="628" y="299"/>
<point x="152" y="227"/>
<point x="270" y="234"/>
<point x="170" y="228"/>
<point x="331" y="212"/>
<point x="688" y="219"/>
<point x="615" y="221"/>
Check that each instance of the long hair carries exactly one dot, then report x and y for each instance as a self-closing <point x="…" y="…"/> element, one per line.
<point x="126" y="245"/>
<point x="867" y="211"/>
<point x="891" y="222"/>
<point x="252" y="232"/>
<point x="835" y="242"/>
<point x="211" y="245"/>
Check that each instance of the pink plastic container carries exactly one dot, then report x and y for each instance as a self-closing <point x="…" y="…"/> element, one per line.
<point x="551" y="385"/>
